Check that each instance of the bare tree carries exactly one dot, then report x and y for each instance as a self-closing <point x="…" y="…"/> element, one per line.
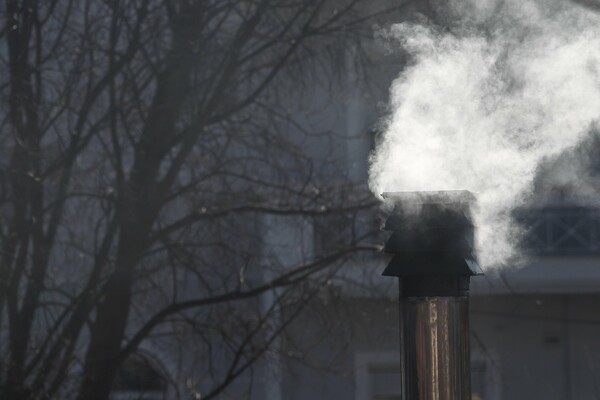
<point x="144" y="144"/>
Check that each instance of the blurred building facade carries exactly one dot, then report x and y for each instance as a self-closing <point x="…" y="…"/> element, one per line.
<point x="535" y="329"/>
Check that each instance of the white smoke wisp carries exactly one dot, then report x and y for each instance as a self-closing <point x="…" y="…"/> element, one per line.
<point x="481" y="105"/>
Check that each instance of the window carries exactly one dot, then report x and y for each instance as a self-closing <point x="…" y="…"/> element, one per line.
<point x="331" y="232"/>
<point x="384" y="382"/>
<point x="478" y="378"/>
<point x="377" y="377"/>
<point x="138" y="379"/>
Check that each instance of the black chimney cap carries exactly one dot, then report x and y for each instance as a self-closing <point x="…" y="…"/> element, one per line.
<point x="432" y="238"/>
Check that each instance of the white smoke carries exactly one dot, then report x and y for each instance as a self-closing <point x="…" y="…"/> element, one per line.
<point x="483" y="103"/>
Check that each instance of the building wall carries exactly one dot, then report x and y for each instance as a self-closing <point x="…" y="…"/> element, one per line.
<point x="524" y="346"/>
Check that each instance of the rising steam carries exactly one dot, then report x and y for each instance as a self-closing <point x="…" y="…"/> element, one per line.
<point x="483" y="103"/>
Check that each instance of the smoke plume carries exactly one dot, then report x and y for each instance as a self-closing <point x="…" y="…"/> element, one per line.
<point x="484" y="101"/>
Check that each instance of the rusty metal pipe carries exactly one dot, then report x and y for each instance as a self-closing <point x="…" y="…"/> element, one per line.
<point x="435" y="348"/>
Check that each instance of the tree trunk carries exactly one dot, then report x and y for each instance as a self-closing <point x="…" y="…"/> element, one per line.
<point x="108" y="329"/>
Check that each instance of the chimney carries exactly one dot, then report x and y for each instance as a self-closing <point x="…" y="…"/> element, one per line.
<point x="433" y="257"/>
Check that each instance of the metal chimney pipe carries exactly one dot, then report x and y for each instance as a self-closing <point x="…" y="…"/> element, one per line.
<point x="432" y="243"/>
